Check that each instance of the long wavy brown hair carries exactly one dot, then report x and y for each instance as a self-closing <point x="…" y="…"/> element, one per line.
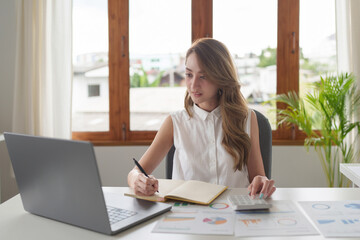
<point x="215" y="60"/>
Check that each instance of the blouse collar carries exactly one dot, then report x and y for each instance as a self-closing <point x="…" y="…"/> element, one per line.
<point x="204" y="114"/>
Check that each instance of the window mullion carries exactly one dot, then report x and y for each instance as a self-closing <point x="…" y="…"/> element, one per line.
<point x="287" y="57"/>
<point x="201" y="18"/>
<point x="119" y="68"/>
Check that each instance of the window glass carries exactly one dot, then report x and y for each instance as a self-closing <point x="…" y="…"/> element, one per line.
<point x="90" y="99"/>
<point x="159" y="35"/>
<point x="249" y="30"/>
<point x="317" y="41"/>
<point x="94" y="90"/>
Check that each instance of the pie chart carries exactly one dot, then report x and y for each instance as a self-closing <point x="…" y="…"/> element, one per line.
<point x="215" y="220"/>
<point x="219" y="205"/>
<point x="321" y="206"/>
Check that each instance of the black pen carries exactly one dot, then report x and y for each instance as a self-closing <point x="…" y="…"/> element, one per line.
<point x="141" y="169"/>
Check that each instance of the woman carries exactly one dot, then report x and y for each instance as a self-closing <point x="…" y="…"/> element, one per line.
<point x="216" y="136"/>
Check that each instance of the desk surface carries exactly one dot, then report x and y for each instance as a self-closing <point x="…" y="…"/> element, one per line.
<point x="15" y="223"/>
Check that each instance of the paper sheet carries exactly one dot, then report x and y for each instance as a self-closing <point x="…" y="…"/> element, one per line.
<point x="335" y="218"/>
<point x="215" y="219"/>
<point x="283" y="219"/>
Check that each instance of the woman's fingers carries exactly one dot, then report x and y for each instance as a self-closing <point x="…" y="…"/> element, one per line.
<point x="266" y="189"/>
<point x="272" y="190"/>
<point x="145" y="185"/>
<point x="262" y="185"/>
<point x="255" y="186"/>
<point x="155" y="183"/>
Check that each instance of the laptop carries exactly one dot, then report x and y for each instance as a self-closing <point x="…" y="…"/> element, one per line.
<point x="59" y="179"/>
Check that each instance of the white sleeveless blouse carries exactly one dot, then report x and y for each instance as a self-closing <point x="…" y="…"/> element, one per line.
<point x="199" y="154"/>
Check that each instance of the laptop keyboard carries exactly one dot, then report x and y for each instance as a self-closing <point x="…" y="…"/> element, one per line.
<point x="118" y="214"/>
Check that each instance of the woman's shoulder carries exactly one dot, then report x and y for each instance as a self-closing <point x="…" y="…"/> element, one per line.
<point x="180" y="115"/>
<point x="251" y="116"/>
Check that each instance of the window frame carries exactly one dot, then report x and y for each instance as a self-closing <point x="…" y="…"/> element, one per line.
<point x="201" y="11"/>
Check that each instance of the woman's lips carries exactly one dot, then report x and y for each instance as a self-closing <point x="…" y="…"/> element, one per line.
<point x="197" y="94"/>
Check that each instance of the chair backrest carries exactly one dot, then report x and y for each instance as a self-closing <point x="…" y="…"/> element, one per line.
<point x="265" y="139"/>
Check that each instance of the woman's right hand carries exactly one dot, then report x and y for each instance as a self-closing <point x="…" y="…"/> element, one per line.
<point x="162" y="143"/>
<point x="142" y="185"/>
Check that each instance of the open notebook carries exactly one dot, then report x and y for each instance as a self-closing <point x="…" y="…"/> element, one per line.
<point x="188" y="191"/>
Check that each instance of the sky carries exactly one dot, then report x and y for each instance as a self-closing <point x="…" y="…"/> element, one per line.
<point x="317" y="21"/>
<point x="164" y="26"/>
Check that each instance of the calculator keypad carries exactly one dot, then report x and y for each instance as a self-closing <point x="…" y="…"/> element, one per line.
<point x="245" y="202"/>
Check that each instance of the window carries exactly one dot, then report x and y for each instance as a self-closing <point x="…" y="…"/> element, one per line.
<point x="93" y="90"/>
<point x="254" y="54"/>
<point x="317" y="41"/>
<point x="90" y="99"/>
<point x="157" y="79"/>
<point x="134" y="57"/>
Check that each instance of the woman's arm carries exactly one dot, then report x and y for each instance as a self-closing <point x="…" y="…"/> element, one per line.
<point x="257" y="178"/>
<point x="151" y="159"/>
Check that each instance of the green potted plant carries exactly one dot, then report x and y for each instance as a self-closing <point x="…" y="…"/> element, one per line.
<point x="326" y="117"/>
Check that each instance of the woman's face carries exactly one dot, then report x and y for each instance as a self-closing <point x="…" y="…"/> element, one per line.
<point x="202" y="92"/>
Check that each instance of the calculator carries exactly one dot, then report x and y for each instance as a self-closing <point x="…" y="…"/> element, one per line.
<point x="245" y="202"/>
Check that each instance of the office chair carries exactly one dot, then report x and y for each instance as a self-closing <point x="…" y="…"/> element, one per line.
<point x="265" y="139"/>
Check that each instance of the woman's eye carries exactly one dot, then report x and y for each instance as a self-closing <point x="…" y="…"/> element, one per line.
<point x="188" y="74"/>
<point x="202" y="77"/>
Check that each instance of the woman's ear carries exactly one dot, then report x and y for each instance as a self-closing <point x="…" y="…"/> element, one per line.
<point x="220" y="92"/>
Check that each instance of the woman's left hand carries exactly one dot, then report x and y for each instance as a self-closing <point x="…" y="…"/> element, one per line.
<point x="262" y="185"/>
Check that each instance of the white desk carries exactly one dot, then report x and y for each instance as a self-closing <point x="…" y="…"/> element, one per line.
<point x="351" y="171"/>
<point x="15" y="223"/>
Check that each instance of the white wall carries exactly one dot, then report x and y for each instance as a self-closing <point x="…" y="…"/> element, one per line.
<point x="292" y="166"/>
<point x="7" y="62"/>
<point x="116" y="162"/>
<point x="7" y="75"/>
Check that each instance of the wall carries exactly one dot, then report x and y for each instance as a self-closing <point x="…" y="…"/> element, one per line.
<point x="292" y="166"/>
<point x="8" y="187"/>
<point x="7" y="75"/>
<point x="7" y="62"/>
<point x="116" y="162"/>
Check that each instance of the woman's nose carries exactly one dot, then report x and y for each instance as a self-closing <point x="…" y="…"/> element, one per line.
<point x="194" y="82"/>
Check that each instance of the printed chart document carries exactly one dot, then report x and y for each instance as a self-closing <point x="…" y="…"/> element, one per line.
<point x="186" y="218"/>
<point x="335" y="218"/>
<point x="181" y="190"/>
<point x="283" y="219"/>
